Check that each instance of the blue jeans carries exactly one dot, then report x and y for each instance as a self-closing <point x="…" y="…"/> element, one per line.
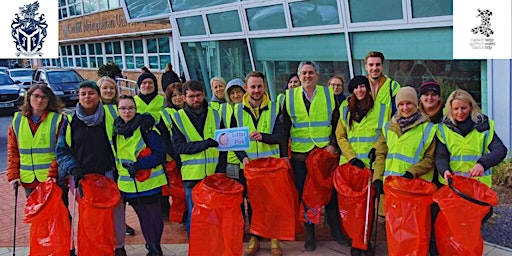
<point x="190" y="205"/>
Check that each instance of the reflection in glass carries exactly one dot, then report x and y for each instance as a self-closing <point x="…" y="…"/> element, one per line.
<point x="314" y="13"/>
<point x="145" y="9"/>
<point x="224" y="22"/>
<point x="182" y="5"/>
<point x="430" y="8"/>
<point x="191" y="26"/>
<point x="371" y="10"/>
<point x="266" y="17"/>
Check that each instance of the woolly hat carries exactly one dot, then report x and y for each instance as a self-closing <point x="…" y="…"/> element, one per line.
<point x="430" y="85"/>
<point x="357" y="80"/>
<point x="235" y="82"/>
<point x="407" y="93"/>
<point x="144" y="76"/>
<point x="89" y="84"/>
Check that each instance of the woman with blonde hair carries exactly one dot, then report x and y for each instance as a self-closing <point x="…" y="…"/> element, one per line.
<point x="108" y="90"/>
<point x="218" y="86"/>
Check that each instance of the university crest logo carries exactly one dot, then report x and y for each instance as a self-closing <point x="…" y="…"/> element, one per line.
<point x="29" y="30"/>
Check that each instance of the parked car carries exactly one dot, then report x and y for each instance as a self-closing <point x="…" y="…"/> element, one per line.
<point x="11" y="95"/>
<point x="63" y="82"/>
<point x="24" y="75"/>
<point x="4" y="69"/>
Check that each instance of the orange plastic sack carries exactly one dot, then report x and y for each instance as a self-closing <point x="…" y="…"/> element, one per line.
<point x="352" y="186"/>
<point x="318" y="186"/>
<point x="457" y="226"/>
<point x="273" y="197"/>
<point x="217" y="225"/>
<point x="408" y="220"/>
<point x="176" y="191"/>
<point x="96" y="214"/>
<point x="50" y="227"/>
<point x="144" y="174"/>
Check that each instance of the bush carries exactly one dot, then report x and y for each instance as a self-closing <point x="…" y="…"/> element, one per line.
<point x="502" y="174"/>
<point x="110" y="69"/>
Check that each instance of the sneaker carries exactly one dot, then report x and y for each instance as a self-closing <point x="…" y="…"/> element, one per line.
<point x="120" y="252"/>
<point x="253" y="247"/>
<point x="129" y="231"/>
<point x="275" y="249"/>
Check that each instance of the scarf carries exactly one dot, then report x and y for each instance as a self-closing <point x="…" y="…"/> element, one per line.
<point x="405" y="122"/>
<point x="90" y="120"/>
<point x="126" y="128"/>
<point x="215" y="99"/>
<point x="147" y="98"/>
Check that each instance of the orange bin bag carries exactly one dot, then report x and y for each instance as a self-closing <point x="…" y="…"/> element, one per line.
<point x="50" y="227"/>
<point x="318" y="186"/>
<point x="408" y="220"/>
<point x="352" y="186"/>
<point x="273" y="197"/>
<point x="96" y="215"/>
<point x="217" y="225"/>
<point x="176" y="191"/>
<point x="143" y="174"/>
<point x="457" y="226"/>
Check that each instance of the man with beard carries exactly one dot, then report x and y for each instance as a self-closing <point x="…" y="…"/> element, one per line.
<point x="383" y="88"/>
<point x="310" y="116"/>
<point x="193" y="129"/>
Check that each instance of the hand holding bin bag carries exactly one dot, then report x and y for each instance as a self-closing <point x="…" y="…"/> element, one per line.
<point x="318" y="185"/>
<point x="463" y="204"/>
<point x="50" y="226"/>
<point x="408" y="219"/>
<point x="217" y="225"/>
<point x="96" y="214"/>
<point x="176" y="191"/>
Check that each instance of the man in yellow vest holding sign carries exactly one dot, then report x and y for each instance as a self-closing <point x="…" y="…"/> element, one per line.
<point x="310" y="116"/>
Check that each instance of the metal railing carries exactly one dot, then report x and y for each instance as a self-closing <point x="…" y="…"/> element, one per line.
<point x="127" y="86"/>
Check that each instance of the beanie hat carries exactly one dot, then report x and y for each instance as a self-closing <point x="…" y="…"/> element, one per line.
<point x="89" y="84"/>
<point x="235" y="82"/>
<point x="430" y="85"/>
<point x="357" y="80"/>
<point x="147" y="75"/>
<point x="407" y="93"/>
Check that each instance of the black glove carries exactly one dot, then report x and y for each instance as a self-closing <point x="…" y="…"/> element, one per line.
<point x="372" y="155"/>
<point x="377" y="185"/>
<point x="78" y="174"/>
<point x="357" y="163"/>
<point x="147" y="122"/>
<point x="132" y="169"/>
<point x="408" y="175"/>
<point x="212" y="143"/>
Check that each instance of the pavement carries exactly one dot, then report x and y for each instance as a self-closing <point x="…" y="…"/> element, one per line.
<point x="174" y="238"/>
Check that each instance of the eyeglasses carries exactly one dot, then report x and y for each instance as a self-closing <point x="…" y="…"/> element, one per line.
<point x="40" y="97"/>
<point x="336" y="85"/>
<point x="127" y="108"/>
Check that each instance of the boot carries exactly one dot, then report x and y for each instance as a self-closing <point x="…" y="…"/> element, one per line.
<point x="154" y="249"/>
<point x="275" y="249"/>
<point x="120" y="252"/>
<point x="72" y="252"/>
<point x="310" y="244"/>
<point x="333" y="219"/>
<point x="356" y="252"/>
<point x="253" y="247"/>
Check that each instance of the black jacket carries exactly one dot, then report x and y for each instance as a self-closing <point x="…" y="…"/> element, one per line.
<point x="168" y="78"/>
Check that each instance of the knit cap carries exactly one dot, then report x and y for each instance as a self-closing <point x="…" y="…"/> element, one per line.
<point x="235" y="82"/>
<point x="430" y="85"/>
<point x="144" y="76"/>
<point x="407" y="93"/>
<point x="357" y="80"/>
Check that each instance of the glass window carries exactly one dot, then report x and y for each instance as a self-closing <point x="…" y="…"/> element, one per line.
<point x="153" y="62"/>
<point x="91" y="48"/>
<point x="108" y="48"/>
<point x="224" y="22"/>
<point x="314" y="13"/>
<point x="139" y="62"/>
<point x="228" y="59"/>
<point x="137" y="44"/>
<point x="430" y="8"/>
<point x="180" y="5"/>
<point x="164" y="59"/>
<point x="113" y="4"/>
<point x="117" y="47"/>
<point x="152" y="45"/>
<point x="138" y="9"/>
<point x="99" y="50"/>
<point x="191" y="26"/>
<point x="133" y="49"/>
<point x="266" y="17"/>
<point x="128" y="47"/>
<point x="163" y="44"/>
<point x="370" y="10"/>
<point x="130" y="64"/>
<point x="103" y="4"/>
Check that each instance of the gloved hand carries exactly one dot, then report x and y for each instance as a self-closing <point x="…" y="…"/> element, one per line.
<point x="372" y="155"/>
<point x="132" y="169"/>
<point x="78" y="174"/>
<point x="377" y="185"/>
<point x="357" y="163"/>
<point x="408" y="175"/>
<point x="147" y="122"/>
<point x="212" y="143"/>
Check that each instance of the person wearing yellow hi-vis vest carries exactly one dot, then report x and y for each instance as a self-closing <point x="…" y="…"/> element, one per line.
<point x="407" y="144"/>
<point x="310" y="115"/>
<point x="234" y="95"/>
<point x="140" y="153"/>
<point x="383" y="88"/>
<point x="193" y="129"/>
<point x="261" y="116"/>
<point x="32" y="137"/>
<point x="148" y="100"/>
<point x="218" y="88"/>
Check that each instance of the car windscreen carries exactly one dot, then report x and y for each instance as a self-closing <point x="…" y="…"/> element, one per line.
<point x="5" y="80"/>
<point x="63" y="77"/>
<point x="16" y="73"/>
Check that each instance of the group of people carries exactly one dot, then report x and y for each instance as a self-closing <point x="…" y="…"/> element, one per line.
<point x="129" y="139"/>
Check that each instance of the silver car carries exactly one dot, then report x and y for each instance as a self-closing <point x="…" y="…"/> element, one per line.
<point x="24" y="75"/>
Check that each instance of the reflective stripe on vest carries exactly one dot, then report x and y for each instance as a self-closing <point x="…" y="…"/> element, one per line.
<point x="214" y="105"/>
<point x="266" y="123"/>
<point x="280" y="99"/>
<point x="128" y="150"/>
<point x="110" y="116"/>
<point x="156" y="105"/>
<point x="37" y="151"/>
<point x="363" y="135"/>
<point x="314" y="128"/>
<point x="199" y="165"/>
<point x="166" y="117"/>
<point x="408" y="149"/>
<point x="466" y="150"/>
